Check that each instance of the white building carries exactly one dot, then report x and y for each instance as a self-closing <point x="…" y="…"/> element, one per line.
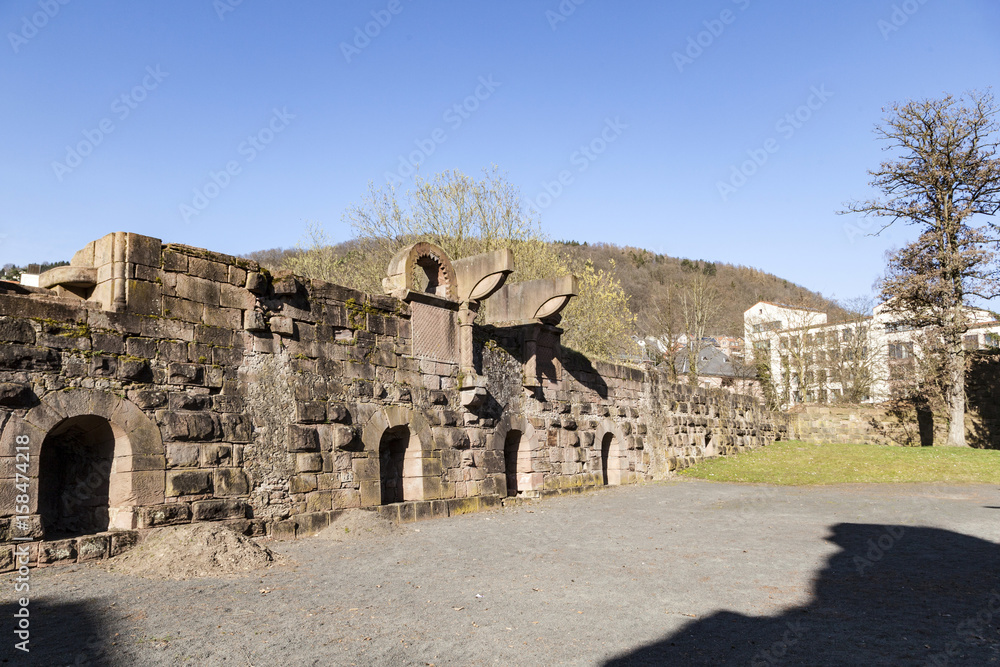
<point x="813" y="361"/>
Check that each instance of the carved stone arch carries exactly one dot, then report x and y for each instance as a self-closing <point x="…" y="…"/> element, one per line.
<point x="610" y="439"/>
<point x="400" y="445"/>
<point x="515" y="437"/>
<point x="137" y="467"/>
<point x="432" y="261"/>
<point x="513" y="422"/>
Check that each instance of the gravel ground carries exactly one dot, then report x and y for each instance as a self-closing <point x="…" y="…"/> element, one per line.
<point x="677" y="573"/>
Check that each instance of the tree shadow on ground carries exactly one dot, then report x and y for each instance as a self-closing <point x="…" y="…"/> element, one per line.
<point x="59" y="634"/>
<point x="892" y="595"/>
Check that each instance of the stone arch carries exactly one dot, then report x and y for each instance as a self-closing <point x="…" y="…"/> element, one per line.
<point x="428" y="259"/>
<point x="125" y="443"/>
<point x="515" y="438"/>
<point x="399" y="447"/>
<point x="610" y="438"/>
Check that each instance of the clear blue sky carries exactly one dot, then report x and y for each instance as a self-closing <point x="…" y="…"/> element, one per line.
<point x="199" y="80"/>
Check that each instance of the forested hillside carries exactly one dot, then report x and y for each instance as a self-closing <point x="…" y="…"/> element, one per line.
<point x="656" y="284"/>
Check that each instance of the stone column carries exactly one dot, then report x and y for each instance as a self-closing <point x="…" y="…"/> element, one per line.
<point x="466" y="316"/>
<point x="118" y="271"/>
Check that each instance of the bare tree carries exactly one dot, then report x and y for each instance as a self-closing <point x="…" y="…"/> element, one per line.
<point x="945" y="172"/>
<point x="467" y="216"/>
<point x="854" y="360"/>
<point x="700" y="304"/>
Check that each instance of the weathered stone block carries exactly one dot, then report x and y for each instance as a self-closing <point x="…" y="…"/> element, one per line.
<point x="16" y="395"/>
<point x="181" y="400"/>
<point x="122" y="541"/>
<point x="182" y="373"/>
<point x="319" y="501"/>
<point x="450" y="438"/>
<point x="302" y="439"/>
<point x="237" y="297"/>
<point x="253" y="320"/>
<point x="215" y="510"/>
<point x="309" y="462"/>
<point x="231" y="482"/>
<point x="23" y="357"/>
<point x="174" y="261"/>
<point x="168" y="514"/>
<point x="256" y="283"/>
<point x="188" y="425"/>
<point x="51" y="552"/>
<point x="148" y="398"/>
<point x="338" y="437"/>
<point x="236" y="427"/>
<point x="283" y="326"/>
<point x="198" y="289"/>
<point x="143" y="297"/>
<point x="216" y="455"/>
<point x="337" y="412"/>
<point x="190" y="311"/>
<point x="286" y="286"/>
<point x="136" y="370"/>
<point x="182" y="456"/>
<point x="310" y="412"/>
<point x="188" y="482"/>
<point x="16" y="331"/>
<point x="227" y="318"/>
<point x="346" y="498"/>
<point x="302" y="483"/>
<point x="93" y="547"/>
<point x="283" y="530"/>
<point x="237" y="276"/>
<point x="204" y="268"/>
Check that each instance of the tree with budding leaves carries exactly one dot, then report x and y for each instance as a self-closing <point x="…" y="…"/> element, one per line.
<point x="943" y="178"/>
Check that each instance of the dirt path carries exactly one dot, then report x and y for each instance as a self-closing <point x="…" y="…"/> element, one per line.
<point x="681" y="573"/>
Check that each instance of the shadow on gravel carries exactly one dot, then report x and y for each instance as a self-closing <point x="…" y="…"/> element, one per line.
<point x="892" y="595"/>
<point x="60" y="634"/>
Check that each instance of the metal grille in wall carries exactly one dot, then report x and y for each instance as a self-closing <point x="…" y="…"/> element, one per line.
<point x="435" y="332"/>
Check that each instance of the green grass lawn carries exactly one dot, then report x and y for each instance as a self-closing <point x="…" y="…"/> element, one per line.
<point x="796" y="463"/>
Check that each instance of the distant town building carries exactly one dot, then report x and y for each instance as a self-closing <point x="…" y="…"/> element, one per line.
<point x="810" y="360"/>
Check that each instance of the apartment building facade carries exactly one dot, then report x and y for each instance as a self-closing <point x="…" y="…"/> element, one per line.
<point x="811" y="360"/>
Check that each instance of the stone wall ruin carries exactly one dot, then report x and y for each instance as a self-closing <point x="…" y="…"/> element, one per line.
<point x="151" y="384"/>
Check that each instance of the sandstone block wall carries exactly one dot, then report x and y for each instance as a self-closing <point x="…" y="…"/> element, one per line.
<point x="159" y="384"/>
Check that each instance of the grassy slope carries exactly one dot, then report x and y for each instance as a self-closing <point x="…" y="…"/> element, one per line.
<point x="797" y="463"/>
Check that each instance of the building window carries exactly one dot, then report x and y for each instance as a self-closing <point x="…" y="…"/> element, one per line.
<point x="971" y="342"/>
<point x="767" y="326"/>
<point x="900" y="350"/>
<point x="992" y="340"/>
